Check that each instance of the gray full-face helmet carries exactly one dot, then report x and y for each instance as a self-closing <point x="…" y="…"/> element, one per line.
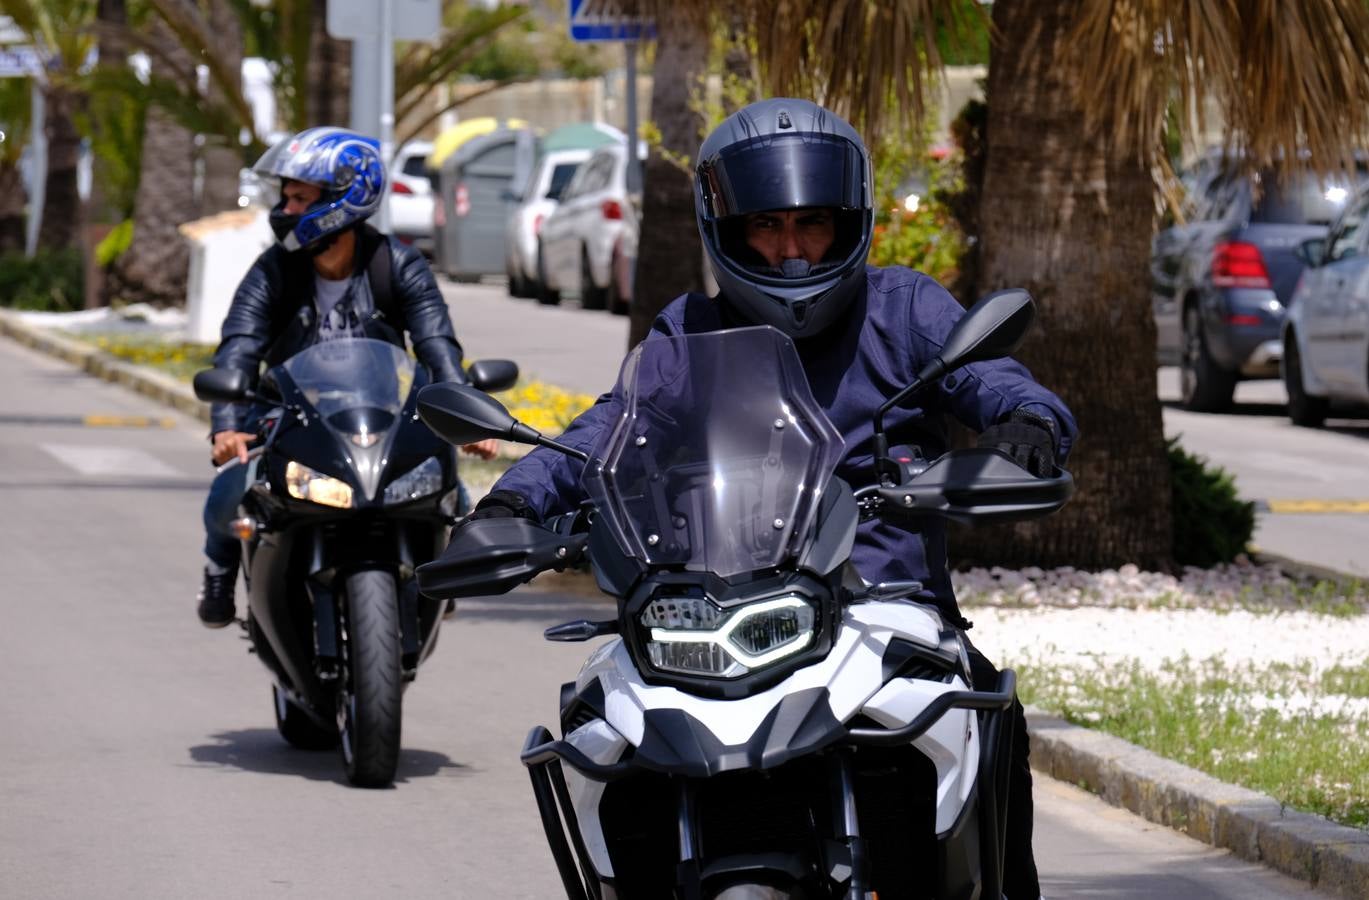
<point x="785" y="154"/>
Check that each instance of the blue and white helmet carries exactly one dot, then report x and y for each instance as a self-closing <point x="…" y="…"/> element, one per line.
<point x="346" y="165"/>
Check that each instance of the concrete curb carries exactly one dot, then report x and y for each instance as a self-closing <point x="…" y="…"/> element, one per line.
<point x="159" y="387"/>
<point x="1250" y="824"/>
<point x="1331" y="857"/>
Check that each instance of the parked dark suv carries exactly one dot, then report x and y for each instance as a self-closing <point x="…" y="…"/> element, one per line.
<point x="1220" y="281"/>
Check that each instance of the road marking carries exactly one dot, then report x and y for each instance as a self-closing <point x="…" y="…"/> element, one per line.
<point x="91" y="421"/>
<point x="106" y="460"/>
<point x="1314" y="506"/>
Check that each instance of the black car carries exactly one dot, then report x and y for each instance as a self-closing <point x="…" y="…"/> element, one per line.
<point x="1223" y="275"/>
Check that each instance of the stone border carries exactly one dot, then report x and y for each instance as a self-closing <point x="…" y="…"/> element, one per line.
<point x="149" y="383"/>
<point x="1251" y="825"/>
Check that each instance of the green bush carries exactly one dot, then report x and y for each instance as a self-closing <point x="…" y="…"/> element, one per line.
<point x="52" y="281"/>
<point x="1212" y="524"/>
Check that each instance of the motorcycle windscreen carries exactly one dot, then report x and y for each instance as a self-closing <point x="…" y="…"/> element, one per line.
<point x="720" y="454"/>
<point x="358" y="386"/>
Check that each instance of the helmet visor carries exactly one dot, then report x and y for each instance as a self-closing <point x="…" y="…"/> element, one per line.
<point x="787" y="171"/>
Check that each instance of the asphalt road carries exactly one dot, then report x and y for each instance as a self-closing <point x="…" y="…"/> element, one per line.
<point x="140" y="758"/>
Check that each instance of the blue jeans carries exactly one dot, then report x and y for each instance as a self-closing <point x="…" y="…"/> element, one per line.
<point x="220" y="508"/>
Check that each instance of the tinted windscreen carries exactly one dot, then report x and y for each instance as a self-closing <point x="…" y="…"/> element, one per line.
<point x="720" y="455"/>
<point x="1302" y="199"/>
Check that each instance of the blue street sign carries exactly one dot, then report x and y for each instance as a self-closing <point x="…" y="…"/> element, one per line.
<point x="585" y="27"/>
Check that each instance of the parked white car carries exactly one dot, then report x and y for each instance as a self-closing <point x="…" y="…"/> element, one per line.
<point x="1326" y="331"/>
<point x="582" y="241"/>
<point x="553" y="173"/>
<point x="411" y="196"/>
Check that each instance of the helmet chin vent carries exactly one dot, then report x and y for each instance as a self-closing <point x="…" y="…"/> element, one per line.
<point x="800" y="310"/>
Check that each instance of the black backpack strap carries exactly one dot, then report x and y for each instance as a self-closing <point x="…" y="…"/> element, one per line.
<point x="380" y="274"/>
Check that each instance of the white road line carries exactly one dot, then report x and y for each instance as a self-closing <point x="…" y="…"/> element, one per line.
<point x="105" y="460"/>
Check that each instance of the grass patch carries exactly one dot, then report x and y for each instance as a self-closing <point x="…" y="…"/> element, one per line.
<point x="1299" y="735"/>
<point x="179" y="359"/>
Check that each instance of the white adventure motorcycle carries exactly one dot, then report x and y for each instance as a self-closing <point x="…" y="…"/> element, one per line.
<point x="765" y="724"/>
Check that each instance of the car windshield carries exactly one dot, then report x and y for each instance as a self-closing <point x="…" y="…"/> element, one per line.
<point x="1303" y="199"/>
<point x="719" y="457"/>
<point x="358" y="387"/>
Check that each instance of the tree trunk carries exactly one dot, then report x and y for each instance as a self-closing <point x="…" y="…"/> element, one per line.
<point x="12" y="218"/>
<point x="222" y="154"/>
<point x="330" y="74"/>
<point x="669" y="256"/>
<point x="155" y="266"/>
<point x="111" y="18"/>
<point x="61" y="226"/>
<point x="1071" y="221"/>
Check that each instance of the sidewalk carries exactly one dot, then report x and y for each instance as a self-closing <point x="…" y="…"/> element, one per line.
<point x="1251" y="825"/>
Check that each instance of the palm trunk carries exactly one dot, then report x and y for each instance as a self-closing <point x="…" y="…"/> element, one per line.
<point x="155" y="267"/>
<point x="1070" y="221"/>
<point x="669" y="256"/>
<point x="12" y="219"/>
<point x="222" y="154"/>
<point x="61" y="227"/>
<point x="329" y="73"/>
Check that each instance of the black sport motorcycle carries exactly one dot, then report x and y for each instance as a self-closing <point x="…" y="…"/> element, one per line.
<point x="347" y="494"/>
<point x="764" y="724"/>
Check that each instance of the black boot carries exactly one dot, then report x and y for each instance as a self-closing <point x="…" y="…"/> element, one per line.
<point x="216" y="598"/>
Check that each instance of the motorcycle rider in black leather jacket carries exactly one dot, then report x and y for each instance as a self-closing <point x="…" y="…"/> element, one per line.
<point x="329" y="276"/>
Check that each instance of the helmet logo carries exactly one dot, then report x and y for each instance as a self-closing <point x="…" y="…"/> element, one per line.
<point x="783" y="121"/>
<point x="294" y="147"/>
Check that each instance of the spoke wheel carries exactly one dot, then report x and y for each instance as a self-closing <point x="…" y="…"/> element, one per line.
<point x="369" y="701"/>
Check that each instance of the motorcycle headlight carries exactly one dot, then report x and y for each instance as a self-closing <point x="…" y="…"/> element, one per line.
<point x="692" y="636"/>
<point x="303" y="483"/>
<point x="420" y="481"/>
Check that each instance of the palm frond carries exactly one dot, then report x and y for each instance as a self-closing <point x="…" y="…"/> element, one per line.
<point x="1291" y="80"/>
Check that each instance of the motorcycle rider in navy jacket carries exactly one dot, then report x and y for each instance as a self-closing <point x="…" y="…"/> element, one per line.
<point x="318" y="282"/>
<point x="783" y="196"/>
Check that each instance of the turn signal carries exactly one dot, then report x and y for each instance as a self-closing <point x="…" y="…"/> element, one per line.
<point x="244" y="529"/>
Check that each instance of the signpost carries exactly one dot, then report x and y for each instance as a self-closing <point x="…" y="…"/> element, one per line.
<point x="587" y="27"/>
<point x="374" y="26"/>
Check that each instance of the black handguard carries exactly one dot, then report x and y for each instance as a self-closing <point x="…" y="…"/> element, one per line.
<point x="1027" y="437"/>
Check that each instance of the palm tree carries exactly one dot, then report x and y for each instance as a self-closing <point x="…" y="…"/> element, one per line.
<point x="1077" y="94"/>
<point x="14" y="121"/>
<point x="59" y="29"/>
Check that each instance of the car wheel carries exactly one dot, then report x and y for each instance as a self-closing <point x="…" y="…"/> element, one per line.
<point x="517" y="287"/>
<point x="619" y="301"/>
<point x="545" y="295"/>
<point x="1204" y="385"/>
<point x="1303" y="409"/>
<point x="591" y="296"/>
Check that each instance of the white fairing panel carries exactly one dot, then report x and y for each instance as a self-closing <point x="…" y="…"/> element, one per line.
<point x="852" y="674"/>
<point x="952" y="744"/>
<point x="605" y="746"/>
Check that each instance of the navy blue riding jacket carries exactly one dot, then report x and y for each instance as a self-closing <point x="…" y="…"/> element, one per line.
<point x="896" y="326"/>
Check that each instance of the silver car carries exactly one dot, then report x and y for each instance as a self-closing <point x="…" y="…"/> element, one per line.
<point x="553" y="172"/>
<point x="584" y="240"/>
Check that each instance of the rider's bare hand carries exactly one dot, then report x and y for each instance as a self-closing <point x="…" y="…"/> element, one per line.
<point x="228" y="444"/>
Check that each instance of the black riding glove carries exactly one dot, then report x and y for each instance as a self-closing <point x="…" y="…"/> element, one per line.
<point x="1028" y="437"/>
<point x="504" y="505"/>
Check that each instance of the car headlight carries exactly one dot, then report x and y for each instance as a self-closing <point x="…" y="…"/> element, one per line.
<point x="303" y="483"/>
<point x="420" y="481"/>
<point x="692" y="636"/>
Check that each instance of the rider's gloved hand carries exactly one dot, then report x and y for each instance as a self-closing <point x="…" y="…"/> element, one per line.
<point x="504" y="505"/>
<point x="1028" y="437"/>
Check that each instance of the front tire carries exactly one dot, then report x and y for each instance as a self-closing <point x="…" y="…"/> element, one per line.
<point x="1303" y="409"/>
<point x="1205" y="386"/>
<point x="545" y="295"/>
<point x="591" y="296"/>
<point x="297" y="728"/>
<point x="369" y="701"/>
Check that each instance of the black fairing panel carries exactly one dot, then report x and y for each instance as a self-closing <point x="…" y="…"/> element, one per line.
<point x="834" y="531"/>
<point x="674" y="741"/>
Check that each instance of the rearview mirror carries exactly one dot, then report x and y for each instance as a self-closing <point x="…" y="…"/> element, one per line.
<point x="1312" y="252"/>
<point x="491" y="375"/>
<point x="221" y="385"/>
<point x="992" y="329"/>
<point x="463" y="414"/>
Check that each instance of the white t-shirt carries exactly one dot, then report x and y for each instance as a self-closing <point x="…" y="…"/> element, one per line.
<point x="336" y="319"/>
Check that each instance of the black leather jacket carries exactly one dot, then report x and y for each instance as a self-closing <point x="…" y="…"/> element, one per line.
<point x="272" y="316"/>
